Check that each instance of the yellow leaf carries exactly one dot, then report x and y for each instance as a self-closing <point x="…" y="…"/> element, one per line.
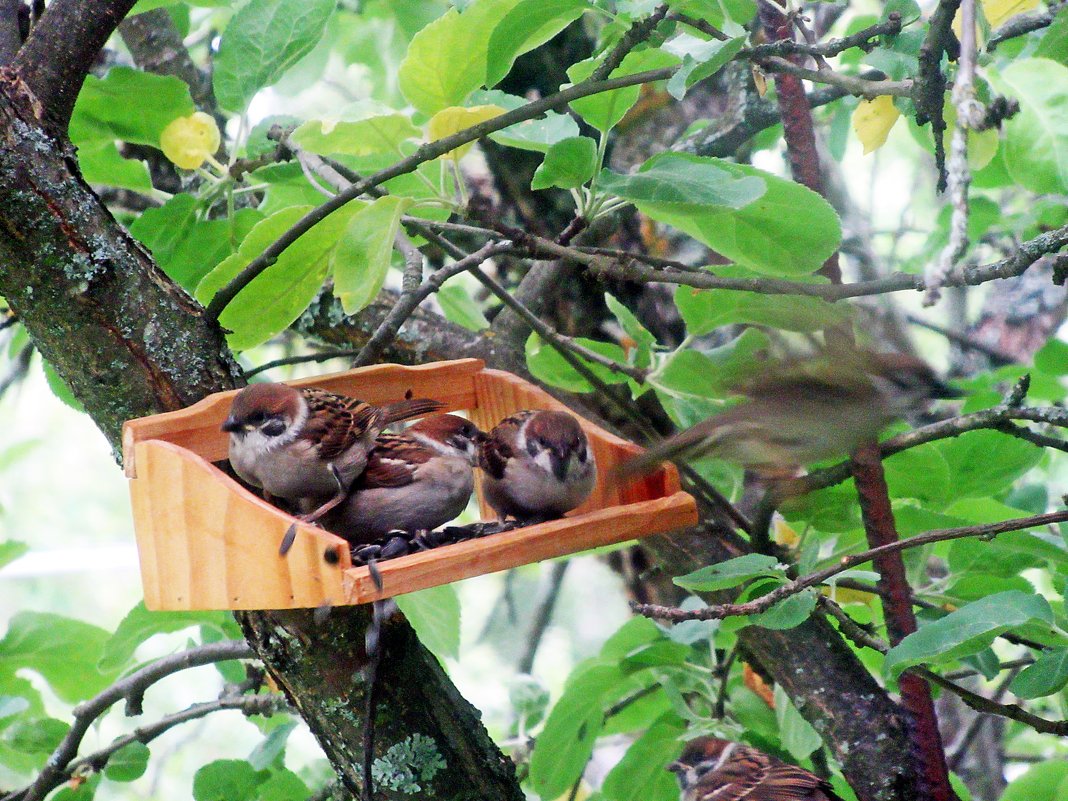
<point x="455" y="119"/>
<point x="847" y="595"/>
<point x="998" y="11"/>
<point x="189" y="141"/>
<point x="873" y="120"/>
<point x="784" y="532"/>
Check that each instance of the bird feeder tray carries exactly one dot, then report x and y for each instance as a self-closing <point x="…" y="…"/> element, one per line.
<point x="206" y="542"/>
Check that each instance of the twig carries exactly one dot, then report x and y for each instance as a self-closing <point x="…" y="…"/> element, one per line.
<point x="891" y="26"/>
<point x="543" y="613"/>
<point x="247" y="704"/>
<point x="969" y="115"/>
<point x="766" y="601"/>
<point x="323" y="356"/>
<point x="1027" y="253"/>
<point x="930" y="85"/>
<point x="132" y="688"/>
<point x="997" y="358"/>
<point x="849" y="84"/>
<point x="424" y="153"/>
<point x="638" y="32"/>
<point x="408" y="301"/>
<point x="992" y="418"/>
<point x="964" y="743"/>
<point x="1023" y="24"/>
<point x="863" y="639"/>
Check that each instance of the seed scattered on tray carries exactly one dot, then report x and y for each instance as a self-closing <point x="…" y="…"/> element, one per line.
<point x="402" y="543"/>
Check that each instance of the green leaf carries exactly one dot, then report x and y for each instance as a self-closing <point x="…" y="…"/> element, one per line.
<point x="677" y="182"/>
<point x="10" y="550"/>
<point x="36" y="736"/>
<point x="459" y="307"/>
<point x="130" y="105"/>
<point x="226" y="780"/>
<point x="709" y="309"/>
<point x="140" y="624"/>
<point x="1047" y="781"/>
<point x="529" y="699"/>
<point x="374" y="130"/>
<point x="529" y="24"/>
<point x="983" y="463"/>
<point x="271" y="747"/>
<point x="64" y="651"/>
<point x="731" y="573"/>
<point x="277" y="296"/>
<point x="643" y="340"/>
<point x="1036" y="139"/>
<point x="537" y="135"/>
<point x="128" y="763"/>
<point x="564" y="746"/>
<point x="691" y="373"/>
<point x="632" y="780"/>
<point x="700" y="59"/>
<point x="1046" y="676"/>
<point x="788" y="613"/>
<point x="284" y="785"/>
<point x="547" y="365"/>
<point x="796" y="734"/>
<point x="101" y="163"/>
<point x="604" y="110"/>
<point x="361" y="259"/>
<point x="446" y="60"/>
<point x="787" y="231"/>
<point x="185" y="247"/>
<point x="84" y="791"/>
<point x="968" y="630"/>
<point x="435" y="616"/>
<point x="568" y="164"/>
<point x="263" y="40"/>
<point x="1054" y="44"/>
<point x="1052" y="358"/>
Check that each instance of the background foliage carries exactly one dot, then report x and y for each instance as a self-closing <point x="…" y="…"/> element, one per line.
<point x="311" y="95"/>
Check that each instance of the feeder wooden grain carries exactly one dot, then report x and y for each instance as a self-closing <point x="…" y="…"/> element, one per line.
<point x="206" y="542"/>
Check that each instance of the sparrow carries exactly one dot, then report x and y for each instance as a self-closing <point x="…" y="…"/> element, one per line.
<point x="538" y="465"/>
<point x="801" y="411"/>
<point x="711" y="769"/>
<point x="415" y="481"/>
<point x="307" y="446"/>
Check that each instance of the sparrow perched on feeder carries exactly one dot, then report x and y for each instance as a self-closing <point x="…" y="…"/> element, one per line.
<point x="803" y="410"/>
<point x="538" y="466"/>
<point x="414" y="481"/>
<point x="307" y="445"/>
<point x="711" y="769"/>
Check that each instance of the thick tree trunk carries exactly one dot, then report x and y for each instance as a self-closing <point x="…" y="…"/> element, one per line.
<point x="129" y="342"/>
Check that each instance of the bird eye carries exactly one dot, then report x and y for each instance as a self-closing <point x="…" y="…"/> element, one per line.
<point x="581" y="452"/>
<point x="255" y="418"/>
<point x="274" y="428"/>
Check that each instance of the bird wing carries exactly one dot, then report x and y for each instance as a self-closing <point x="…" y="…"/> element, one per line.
<point x="337" y="422"/>
<point x="790" y="783"/>
<point x="391" y="462"/>
<point x="499" y="447"/>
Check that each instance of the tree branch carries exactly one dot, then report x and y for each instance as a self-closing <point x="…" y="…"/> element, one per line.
<point x="768" y="600"/>
<point x="60" y="51"/>
<point x="157" y="47"/>
<point x="1023" y="24"/>
<point x="247" y="704"/>
<point x="10" y="40"/>
<point x="132" y="688"/>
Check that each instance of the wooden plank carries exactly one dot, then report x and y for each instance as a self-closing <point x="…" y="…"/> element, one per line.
<point x="197" y="428"/>
<point x="523" y="546"/>
<point x="207" y="543"/>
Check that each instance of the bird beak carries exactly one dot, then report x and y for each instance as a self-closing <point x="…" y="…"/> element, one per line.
<point x="559" y="460"/>
<point x="232" y="425"/>
<point x="676" y="767"/>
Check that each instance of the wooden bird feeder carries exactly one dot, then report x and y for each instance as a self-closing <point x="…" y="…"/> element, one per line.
<point x="205" y="542"/>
